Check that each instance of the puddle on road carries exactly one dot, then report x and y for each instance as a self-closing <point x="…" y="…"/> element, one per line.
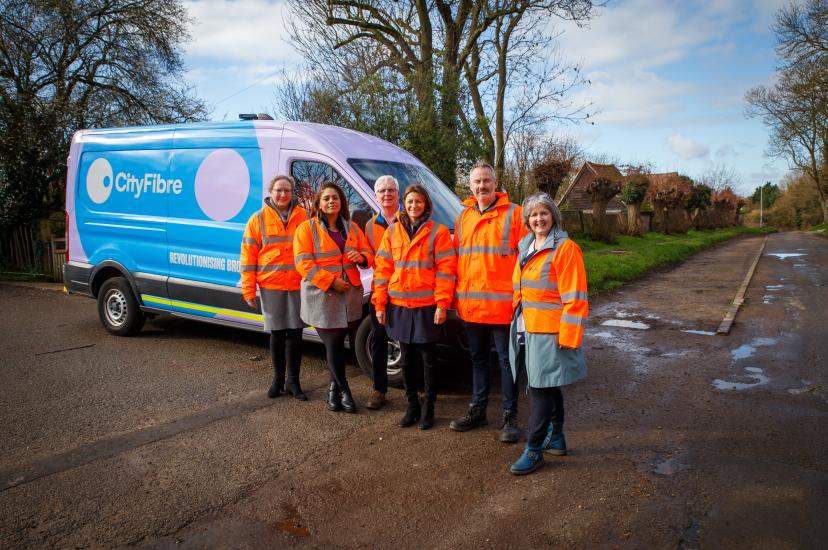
<point x="293" y="524"/>
<point x="700" y="332"/>
<point x="742" y="351"/>
<point x="785" y="255"/>
<point x="774" y="287"/>
<point x="626" y="324"/>
<point x="669" y="467"/>
<point x="752" y="372"/>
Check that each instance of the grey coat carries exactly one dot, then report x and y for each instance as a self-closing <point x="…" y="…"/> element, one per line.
<point x="547" y="365"/>
<point x="329" y="309"/>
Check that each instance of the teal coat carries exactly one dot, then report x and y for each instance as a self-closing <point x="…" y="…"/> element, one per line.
<point x="546" y="364"/>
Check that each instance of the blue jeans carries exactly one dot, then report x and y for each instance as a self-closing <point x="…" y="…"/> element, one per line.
<point x="480" y="337"/>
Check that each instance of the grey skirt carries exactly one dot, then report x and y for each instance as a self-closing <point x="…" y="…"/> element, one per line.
<point x="280" y="309"/>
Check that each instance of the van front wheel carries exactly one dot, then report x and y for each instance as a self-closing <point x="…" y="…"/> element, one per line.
<point x="118" y="308"/>
<point x="362" y="348"/>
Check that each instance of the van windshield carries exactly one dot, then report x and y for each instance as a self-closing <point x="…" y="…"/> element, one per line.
<point x="446" y="204"/>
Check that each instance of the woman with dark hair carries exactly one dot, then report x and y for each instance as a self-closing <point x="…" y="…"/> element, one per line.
<point x="328" y="248"/>
<point x="267" y="262"/>
<point x="551" y="308"/>
<point x="414" y="274"/>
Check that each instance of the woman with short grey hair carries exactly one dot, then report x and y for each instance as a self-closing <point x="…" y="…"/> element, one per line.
<point x="548" y="324"/>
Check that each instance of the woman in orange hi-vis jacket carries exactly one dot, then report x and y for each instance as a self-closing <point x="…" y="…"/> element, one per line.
<point x="327" y="249"/>
<point x="267" y="262"/>
<point x="414" y="274"/>
<point x="550" y="300"/>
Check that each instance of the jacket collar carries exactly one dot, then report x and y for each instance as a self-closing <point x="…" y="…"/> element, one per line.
<point x="501" y="201"/>
<point x="555" y="238"/>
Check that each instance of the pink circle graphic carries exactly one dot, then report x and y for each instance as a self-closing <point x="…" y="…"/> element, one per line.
<point x="222" y="184"/>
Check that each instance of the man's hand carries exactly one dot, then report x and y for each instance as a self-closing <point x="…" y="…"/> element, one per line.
<point x="251" y="303"/>
<point x="440" y="316"/>
<point x="381" y="317"/>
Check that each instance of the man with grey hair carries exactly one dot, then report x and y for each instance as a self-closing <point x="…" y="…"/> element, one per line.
<point x="387" y="192"/>
<point x="486" y="236"/>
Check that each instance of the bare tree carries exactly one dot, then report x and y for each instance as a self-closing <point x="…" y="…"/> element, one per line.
<point x="796" y="107"/>
<point x="428" y="44"/>
<point x="66" y="65"/>
<point x="602" y="190"/>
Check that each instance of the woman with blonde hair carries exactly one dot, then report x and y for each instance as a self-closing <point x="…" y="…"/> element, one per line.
<point x="267" y="262"/>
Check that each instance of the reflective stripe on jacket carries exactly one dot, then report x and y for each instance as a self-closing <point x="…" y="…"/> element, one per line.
<point x="551" y="288"/>
<point x="415" y="272"/>
<point x="487" y="248"/>
<point x="267" y="255"/>
<point x="318" y="258"/>
<point x="374" y="231"/>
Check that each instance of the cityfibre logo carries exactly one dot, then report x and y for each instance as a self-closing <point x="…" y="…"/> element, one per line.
<point x="100" y="183"/>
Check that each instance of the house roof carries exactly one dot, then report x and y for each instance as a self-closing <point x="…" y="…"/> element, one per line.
<point x="576" y="198"/>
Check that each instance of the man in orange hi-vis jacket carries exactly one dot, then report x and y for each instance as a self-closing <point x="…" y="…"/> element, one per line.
<point x="486" y="236"/>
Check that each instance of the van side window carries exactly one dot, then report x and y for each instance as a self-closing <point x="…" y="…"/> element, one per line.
<point x="309" y="175"/>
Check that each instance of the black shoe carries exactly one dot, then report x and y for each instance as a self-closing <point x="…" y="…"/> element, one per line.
<point x="277" y="388"/>
<point x="294" y="389"/>
<point x="334" y="399"/>
<point x="412" y="413"/>
<point x="348" y="404"/>
<point x="428" y="415"/>
<point x="509" y="432"/>
<point x="475" y="418"/>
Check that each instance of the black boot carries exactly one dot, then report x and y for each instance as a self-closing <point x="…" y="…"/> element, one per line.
<point x="427" y="420"/>
<point x="348" y="403"/>
<point x="292" y="386"/>
<point x="412" y="412"/>
<point x="334" y="400"/>
<point x="277" y="388"/>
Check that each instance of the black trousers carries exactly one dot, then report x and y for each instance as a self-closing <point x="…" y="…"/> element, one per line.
<point x="334" y="340"/>
<point x="410" y="368"/>
<point x="379" y="353"/>
<point x="286" y="350"/>
<point x="545" y="406"/>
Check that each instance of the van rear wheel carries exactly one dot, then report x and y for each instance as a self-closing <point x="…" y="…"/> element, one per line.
<point x="362" y="348"/>
<point x="118" y="308"/>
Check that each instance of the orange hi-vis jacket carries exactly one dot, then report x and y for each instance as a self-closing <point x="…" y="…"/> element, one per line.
<point x="267" y="251"/>
<point x="375" y="231"/>
<point x="487" y="248"/>
<point x="552" y="291"/>
<point x="415" y="272"/>
<point x="318" y="258"/>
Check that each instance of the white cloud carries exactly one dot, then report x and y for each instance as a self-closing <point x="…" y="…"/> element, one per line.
<point x="252" y="32"/>
<point x="638" y="98"/>
<point x="686" y="148"/>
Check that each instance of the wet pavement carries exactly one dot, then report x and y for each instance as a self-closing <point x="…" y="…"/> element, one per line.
<point x="678" y="437"/>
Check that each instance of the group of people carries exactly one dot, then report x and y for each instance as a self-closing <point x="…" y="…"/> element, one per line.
<point x="511" y="272"/>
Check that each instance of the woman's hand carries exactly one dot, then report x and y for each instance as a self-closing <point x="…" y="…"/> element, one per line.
<point x="340" y="285"/>
<point x="381" y="317"/>
<point x="356" y="257"/>
<point x="439" y="316"/>
<point x="251" y="303"/>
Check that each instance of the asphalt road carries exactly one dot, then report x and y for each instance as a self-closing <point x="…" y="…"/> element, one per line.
<point x="678" y="439"/>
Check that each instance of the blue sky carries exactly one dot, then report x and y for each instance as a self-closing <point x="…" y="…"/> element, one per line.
<point x="668" y="77"/>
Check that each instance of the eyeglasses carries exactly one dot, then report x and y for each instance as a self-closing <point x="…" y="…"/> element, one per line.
<point x="389" y="190"/>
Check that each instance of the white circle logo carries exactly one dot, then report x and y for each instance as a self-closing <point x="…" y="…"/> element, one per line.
<point x="222" y="184"/>
<point x="99" y="181"/>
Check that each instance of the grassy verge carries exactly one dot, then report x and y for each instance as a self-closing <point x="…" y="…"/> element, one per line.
<point x="611" y="265"/>
<point x="821" y="229"/>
